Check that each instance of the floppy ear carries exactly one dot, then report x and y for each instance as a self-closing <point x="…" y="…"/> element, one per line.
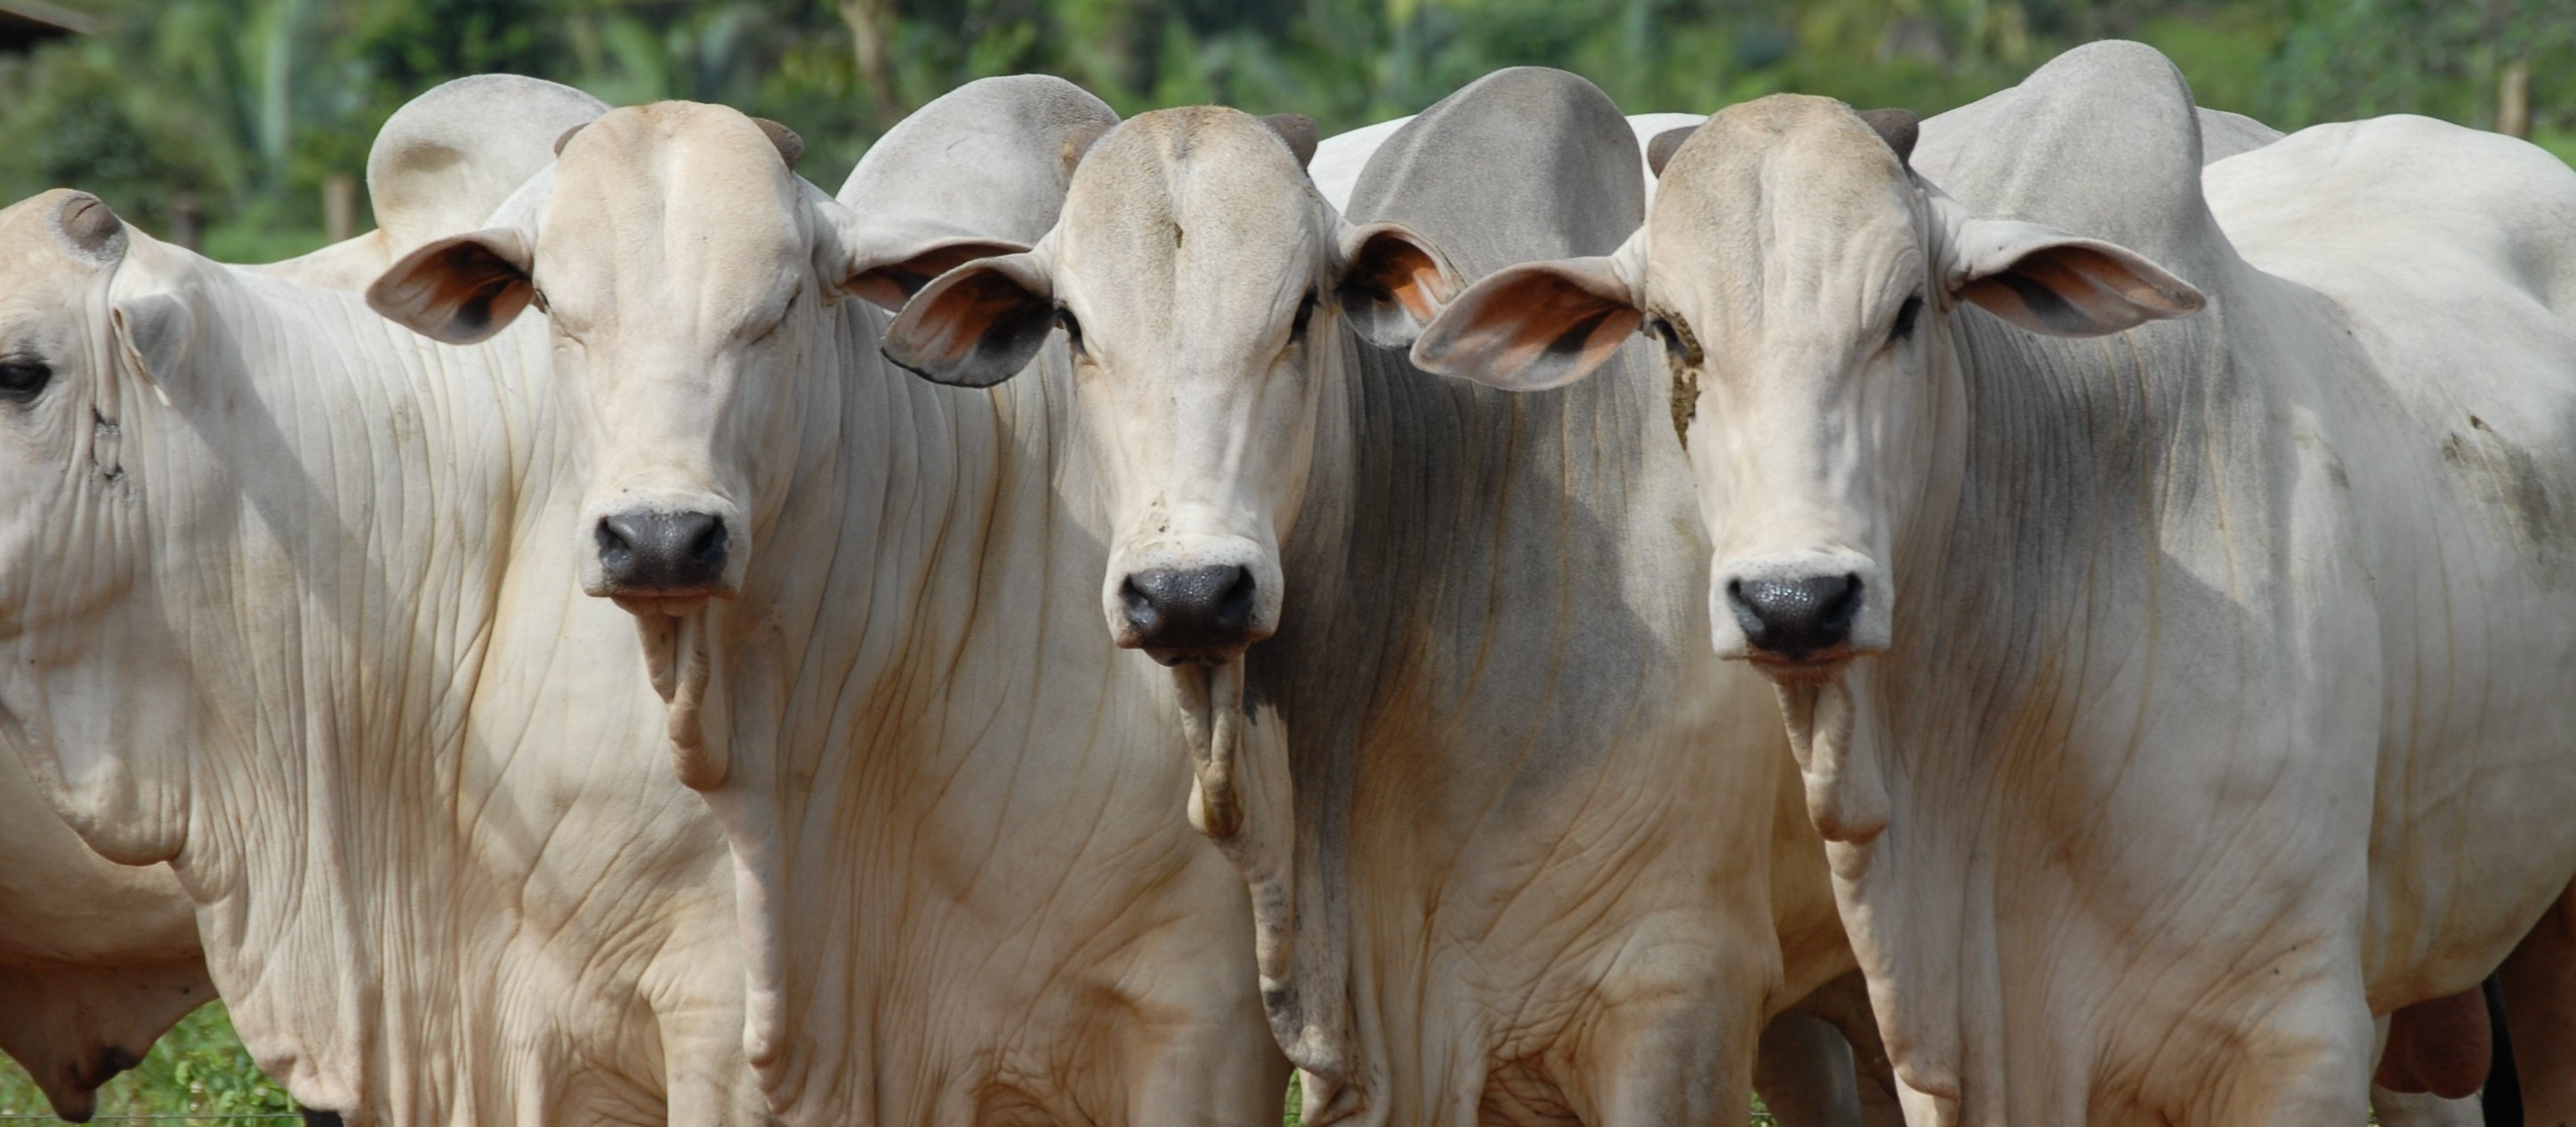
<point x="1533" y="326"/>
<point x="460" y="289"/>
<point x="1392" y="284"/>
<point x="888" y="279"/>
<point x="2060" y="285"/>
<point x="976" y="325"/>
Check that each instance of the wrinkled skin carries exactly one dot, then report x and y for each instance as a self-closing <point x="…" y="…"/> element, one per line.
<point x="1520" y="851"/>
<point x="260" y="629"/>
<point x="967" y="893"/>
<point x="2146" y="624"/>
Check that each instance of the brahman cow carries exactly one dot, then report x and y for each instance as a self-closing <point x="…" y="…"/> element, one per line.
<point x="968" y="897"/>
<point x="2173" y="696"/>
<point x="97" y="959"/>
<point x="289" y="609"/>
<point x="1521" y="850"/>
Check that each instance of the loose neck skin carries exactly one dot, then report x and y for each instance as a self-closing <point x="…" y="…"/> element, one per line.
<point x="934" y="763"/>
<point x="300" y="713"/>
<point x="1495" y="646"/>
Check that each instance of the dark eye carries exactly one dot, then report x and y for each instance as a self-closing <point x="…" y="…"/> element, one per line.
<point x="1305" y="313"/>
<point x="1905" y="315"/>
<point x="1064" y="319"/>
<point x="22" y="377"/>
<point x="1677" y="345"/>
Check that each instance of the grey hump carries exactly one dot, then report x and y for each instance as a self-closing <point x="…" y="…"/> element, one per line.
<point x="1525" y="163"/>
<point x="992" y="157"/>
<point x="448" y="158"/>
<point x="2103" y="141"/>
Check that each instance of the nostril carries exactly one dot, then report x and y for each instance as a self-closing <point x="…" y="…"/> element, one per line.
<point x="1138" y="607"/>
<point x="614" y="544"/>
<point x="1840" y="607"/>
<point x="709" y="547"/>
<point x="1234" y="609"/>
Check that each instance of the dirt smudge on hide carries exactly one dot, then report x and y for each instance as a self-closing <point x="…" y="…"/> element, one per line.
<point x="2508" y="477"/>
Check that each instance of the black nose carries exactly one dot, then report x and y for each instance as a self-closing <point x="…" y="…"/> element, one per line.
<point x="1186" y="612"/>
<point x="654" y="553"/>
<point x="1795" y="617"/>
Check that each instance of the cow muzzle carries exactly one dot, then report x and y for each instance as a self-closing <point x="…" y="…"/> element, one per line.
<point x="1201" y="605"/>
<point x="1799" y="615"/>
<point x="662" y="556"/>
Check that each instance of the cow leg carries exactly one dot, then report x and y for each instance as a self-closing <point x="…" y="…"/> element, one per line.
<point x="1670" y="1064"/>
<point x="2310" y="1063"/>
<point x="2538" y="986"/>
<point x="2438" y="1047"/>
<point x="1207" y="1077"/>
<point x="2423" y="1109"/>
<point x="1803" y="1072"/>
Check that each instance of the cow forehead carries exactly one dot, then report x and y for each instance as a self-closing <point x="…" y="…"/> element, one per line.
<point x="673" y="197"/>
<point x="1784" y="193"/>
<point x="1188" y="205"/>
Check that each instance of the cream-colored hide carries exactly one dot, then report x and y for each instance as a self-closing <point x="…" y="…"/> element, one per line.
<point x="2174" y="697"/>
<point x="96" y="959"/>
<point x="261" y="628"/>
<point x="1520" y="849"/>
<point x="968" y="891"/>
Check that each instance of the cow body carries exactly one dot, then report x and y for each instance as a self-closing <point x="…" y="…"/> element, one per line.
<point x="1519" y="851"/>
<point x="298" y="639"/>
<point x="970" y="897"/>
<point x="2171" y="702"/>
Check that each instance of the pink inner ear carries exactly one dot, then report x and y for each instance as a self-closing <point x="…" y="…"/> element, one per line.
<point x="889" y="286"/>
<point x="1536" y="328"/>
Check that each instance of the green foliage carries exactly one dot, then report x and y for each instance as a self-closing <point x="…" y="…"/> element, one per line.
<point x="251" y="104"/>
<point x="198" y="1068"/>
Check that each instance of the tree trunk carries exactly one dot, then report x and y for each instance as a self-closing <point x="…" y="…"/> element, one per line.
<point x="871" y="26"/>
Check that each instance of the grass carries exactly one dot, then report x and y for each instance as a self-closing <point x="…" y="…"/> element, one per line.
<point x="198" y="1068"/>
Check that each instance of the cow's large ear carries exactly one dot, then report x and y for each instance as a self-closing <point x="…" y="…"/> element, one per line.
<point x="976" y="325"/>
<point x="888" y="279"/>
<point x="460" y="289"/>
<point x="1392" y="283"/>
<point x="2060" y="285"/>
<point x="1533" y="326"/>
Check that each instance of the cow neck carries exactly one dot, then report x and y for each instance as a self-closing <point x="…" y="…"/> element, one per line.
<point x="364" y="501"/>
<point x="881" y="662"/>
<point x="1471" y="605"/>
<point x="411" y="700"/>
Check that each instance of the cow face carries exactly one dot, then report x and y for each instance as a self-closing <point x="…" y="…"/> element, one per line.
<point x="684" y="267"/>
<point x="1201" y="284"/>
<point x="1802" y="282"/>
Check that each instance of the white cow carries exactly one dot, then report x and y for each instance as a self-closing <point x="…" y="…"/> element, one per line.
<point x="1520" y="848"/>
<point x="2173" y="697"/>
<point x="97" y="959"/>
<point x="289" y="609"/>
<point x="969" y="897"/>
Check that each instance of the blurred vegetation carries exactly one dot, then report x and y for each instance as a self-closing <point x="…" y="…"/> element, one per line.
<point x="198" y="1068"/>
<point x="249" y="104"/>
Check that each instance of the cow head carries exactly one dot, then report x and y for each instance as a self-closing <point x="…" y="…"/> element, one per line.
<point x="1803" y="283"/>
<point x="685" y="269"/>
<point x="91" y="686"/>
<point x="1201" y="283"/>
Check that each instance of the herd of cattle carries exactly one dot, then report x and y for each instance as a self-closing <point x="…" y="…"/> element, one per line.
<point x="2062" y="612"/>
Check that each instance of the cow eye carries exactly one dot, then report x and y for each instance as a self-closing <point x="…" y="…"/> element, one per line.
<point x="1064" y="319"/>
<point x="1905" y="315"/>
<point x="21" y="377"/>
<point x="1305" y="313"/>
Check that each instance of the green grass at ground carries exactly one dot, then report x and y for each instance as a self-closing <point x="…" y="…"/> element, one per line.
<point x="198" y="1068"/>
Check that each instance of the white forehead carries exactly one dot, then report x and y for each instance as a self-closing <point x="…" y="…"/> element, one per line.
<point x="674" y="197"/>
<point x="1785" y="195"/>
<point x="1203" y="208"/>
